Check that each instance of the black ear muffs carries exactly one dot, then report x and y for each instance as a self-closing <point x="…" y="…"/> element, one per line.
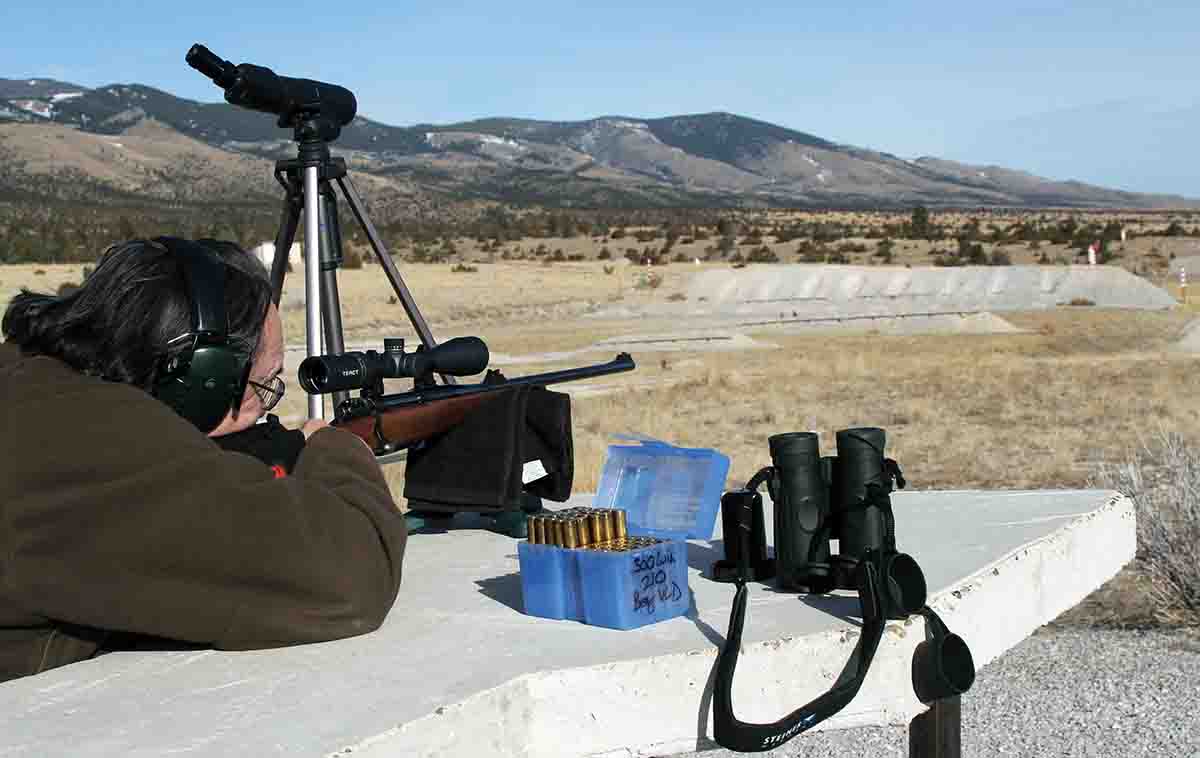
<point x="208" y="377"/>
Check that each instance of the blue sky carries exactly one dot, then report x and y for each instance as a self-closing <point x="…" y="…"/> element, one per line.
<point x="1103" y="92"/>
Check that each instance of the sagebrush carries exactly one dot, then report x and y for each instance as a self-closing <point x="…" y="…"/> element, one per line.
<point x="1162" y="477"/>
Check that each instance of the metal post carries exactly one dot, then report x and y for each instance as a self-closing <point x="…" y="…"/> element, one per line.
<point x="331" y="303"/>
<point x="937" y="733"/>
<point x="312" y="276"/>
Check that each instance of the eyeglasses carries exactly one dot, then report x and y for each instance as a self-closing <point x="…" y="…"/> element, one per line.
<point x="269" y="395"/>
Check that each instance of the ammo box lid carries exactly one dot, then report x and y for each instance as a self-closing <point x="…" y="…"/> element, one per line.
<point x="666" y="491"/>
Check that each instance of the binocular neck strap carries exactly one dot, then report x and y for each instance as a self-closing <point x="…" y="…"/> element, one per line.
<point x="937" y="627"/>
<point x="762" y="476"/>
<point x="891" y="470"/>
<point x="878" y="497"/>
<point x="878" y="494"/>
<point x="741" y="736"/>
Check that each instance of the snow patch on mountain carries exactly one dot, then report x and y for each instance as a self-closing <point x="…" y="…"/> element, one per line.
<point x="618" y="123"/>
<point x="490" y="139"/>
<point x="36" y="107"/>
<point x="605" y="131"/>
<point x="499" y="148"/>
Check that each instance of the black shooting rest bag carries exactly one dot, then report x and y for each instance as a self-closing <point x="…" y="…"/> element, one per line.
<point x="505" y="455"/>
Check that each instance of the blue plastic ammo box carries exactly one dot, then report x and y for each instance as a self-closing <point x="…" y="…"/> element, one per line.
<point x="668" y="492"/>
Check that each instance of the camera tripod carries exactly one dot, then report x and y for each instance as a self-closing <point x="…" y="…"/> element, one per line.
<point x="316" y="112"/>
<point x="308" y="181"/>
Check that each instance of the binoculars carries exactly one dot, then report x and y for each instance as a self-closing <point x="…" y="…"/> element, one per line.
<point x="820" y="499"/>
<point x="817" y="500"/>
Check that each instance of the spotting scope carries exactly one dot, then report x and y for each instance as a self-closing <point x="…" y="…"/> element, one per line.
<point x="461" y="356"/>
<point x="261" y="89"/>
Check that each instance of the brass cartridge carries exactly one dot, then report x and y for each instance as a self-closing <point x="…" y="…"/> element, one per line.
<point x="533" y="532"/>
<point x="619" y="526"/>
<point x="600" y="528"/>
<point x="570" y="533"/>
<point x="557" y="532"/>
<point x="585" y="530"/>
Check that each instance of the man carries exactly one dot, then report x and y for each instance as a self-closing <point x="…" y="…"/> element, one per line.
<point x="121" y="516"/>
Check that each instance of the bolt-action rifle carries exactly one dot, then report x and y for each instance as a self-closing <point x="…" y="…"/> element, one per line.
<point x="392" y="422"/>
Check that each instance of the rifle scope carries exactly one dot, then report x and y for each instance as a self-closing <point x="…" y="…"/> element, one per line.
<point x="461" y="356"/>
<point x="261" y="89"/>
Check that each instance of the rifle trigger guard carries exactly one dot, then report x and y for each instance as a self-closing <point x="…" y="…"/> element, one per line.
<point x="385" y="446"/>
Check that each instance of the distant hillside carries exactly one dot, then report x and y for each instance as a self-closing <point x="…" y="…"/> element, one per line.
<point x="60" y="140"/>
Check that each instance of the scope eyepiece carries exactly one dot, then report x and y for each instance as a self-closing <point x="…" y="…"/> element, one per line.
<point x="461" y="356"/>
<point x="222" y="72"/>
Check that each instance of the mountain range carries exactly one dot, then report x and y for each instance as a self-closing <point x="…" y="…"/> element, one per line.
<point x="131" y="141"/>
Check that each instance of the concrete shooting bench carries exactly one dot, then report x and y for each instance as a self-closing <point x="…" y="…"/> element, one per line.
<point x="458" y="670"/>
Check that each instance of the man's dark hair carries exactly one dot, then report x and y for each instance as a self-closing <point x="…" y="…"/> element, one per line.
<point x="118" y="323"/>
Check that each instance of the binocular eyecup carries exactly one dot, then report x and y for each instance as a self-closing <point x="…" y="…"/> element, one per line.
<point x="942" y="665"/>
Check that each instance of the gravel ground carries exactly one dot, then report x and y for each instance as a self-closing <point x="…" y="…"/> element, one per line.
<point x="1066" y="691"/>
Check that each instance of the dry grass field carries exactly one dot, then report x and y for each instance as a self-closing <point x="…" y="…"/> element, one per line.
<point x="1047" y="407"/>
<point x="1038" y="408"/>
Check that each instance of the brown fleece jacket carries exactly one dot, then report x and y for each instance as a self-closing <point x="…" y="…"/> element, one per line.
<point x="117" y="515"/>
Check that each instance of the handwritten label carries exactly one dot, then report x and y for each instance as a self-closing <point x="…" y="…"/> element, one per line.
<point x="652" y="582"/>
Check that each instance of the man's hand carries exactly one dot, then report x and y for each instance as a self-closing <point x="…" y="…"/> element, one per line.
<point x="312" y="425"/>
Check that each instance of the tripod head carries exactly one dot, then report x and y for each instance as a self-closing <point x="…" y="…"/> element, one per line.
<point x="294" y="101"/>
<point x="316" y="112"/>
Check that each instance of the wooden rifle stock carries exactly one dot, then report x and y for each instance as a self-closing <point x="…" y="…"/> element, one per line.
<point x="392" y="422"/>
<point x="409" y="424"/>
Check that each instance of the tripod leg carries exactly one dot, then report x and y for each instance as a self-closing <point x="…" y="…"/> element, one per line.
<point x="289" y="220"/>
<point x="389" y="266"/>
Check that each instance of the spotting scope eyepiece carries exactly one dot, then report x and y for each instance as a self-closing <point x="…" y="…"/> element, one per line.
<point x="461" y="356"/>
<point x="260" y="89"/>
